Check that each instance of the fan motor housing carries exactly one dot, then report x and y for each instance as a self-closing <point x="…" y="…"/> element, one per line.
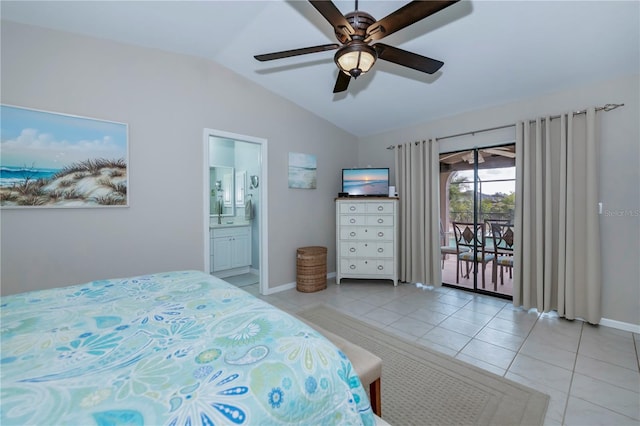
<point x="360" y="21"/>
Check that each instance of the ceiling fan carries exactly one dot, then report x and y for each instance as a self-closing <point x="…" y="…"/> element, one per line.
<point x="357" y="29"/>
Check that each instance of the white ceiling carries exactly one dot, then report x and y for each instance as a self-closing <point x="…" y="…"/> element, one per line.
<point x="494" y="52"/>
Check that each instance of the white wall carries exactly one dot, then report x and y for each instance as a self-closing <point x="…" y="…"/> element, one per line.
<point x="167" y="100"/>
<point x="619" y="171"/>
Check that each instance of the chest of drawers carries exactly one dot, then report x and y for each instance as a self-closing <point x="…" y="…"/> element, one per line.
<point x="367" y="238"/>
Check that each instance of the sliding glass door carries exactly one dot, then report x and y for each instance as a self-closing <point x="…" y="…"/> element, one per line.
<point x="476" y="215"/>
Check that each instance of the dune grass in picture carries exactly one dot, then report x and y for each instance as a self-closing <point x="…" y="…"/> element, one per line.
<point x="57" y="160"/>
<point x="302" y="170"/>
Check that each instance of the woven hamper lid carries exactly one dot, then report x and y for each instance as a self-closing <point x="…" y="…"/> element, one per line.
<point x="312" y="250"/>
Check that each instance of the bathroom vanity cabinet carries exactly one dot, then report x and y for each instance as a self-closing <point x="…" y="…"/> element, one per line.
<point x="230" y="250"/>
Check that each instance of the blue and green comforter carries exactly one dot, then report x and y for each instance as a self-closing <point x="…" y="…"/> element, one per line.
<point x="179" y="348"/>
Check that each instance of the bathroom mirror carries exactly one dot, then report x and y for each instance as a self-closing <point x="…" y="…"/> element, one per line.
<point x="222" y="186"/>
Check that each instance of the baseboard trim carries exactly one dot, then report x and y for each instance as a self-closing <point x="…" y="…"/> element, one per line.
<point x="625" y="326"/>
<point x="283" y="287"/>
<point x="289" y="286"/>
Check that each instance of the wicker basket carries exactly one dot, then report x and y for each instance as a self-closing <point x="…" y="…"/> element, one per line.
<point x="312" y="269"/>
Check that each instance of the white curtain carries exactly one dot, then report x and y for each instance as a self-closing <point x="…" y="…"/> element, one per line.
<point x="557" y="261"/>
<point x="417" y="182"/>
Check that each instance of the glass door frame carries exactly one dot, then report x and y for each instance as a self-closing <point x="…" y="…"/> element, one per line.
<point x="476" y="210"/>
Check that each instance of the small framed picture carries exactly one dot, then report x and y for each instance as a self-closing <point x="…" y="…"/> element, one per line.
<point x="302" y="170"/>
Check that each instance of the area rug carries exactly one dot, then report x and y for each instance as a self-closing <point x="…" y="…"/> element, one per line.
<point x="423" y="387"/>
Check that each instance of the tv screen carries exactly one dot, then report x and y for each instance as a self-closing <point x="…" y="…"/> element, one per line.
<point x="366" y="182"/>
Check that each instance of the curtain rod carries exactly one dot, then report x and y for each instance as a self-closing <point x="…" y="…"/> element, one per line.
<point x="606" y="108"/>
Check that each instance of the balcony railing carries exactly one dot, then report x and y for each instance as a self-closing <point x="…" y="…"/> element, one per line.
<point x="468" y="216"/>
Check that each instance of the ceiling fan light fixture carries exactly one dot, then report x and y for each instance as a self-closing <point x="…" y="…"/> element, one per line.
<point x="356" y="58"/>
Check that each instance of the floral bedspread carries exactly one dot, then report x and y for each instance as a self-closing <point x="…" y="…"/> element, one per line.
<point x="178" y="348"/>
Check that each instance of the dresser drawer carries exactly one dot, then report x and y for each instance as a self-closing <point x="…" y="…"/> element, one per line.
<point x="353" y="220"/>
<point x="369" y="220"/>
<point x="366" y="249"/>
<point x="381" y="220"/>
<point x="382" y="207"/>
<point x="352" y="208"/>
<point x="366" y="233"/>
<point x="366" y="267"/>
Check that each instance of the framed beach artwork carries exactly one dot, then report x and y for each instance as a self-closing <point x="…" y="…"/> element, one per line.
<point x="302" y="170"/>
<point x="52" y="160"/>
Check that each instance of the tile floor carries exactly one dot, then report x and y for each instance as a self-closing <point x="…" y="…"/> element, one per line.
<point x="591" y="373"/>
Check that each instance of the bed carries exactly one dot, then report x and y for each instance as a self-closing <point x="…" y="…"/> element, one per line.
<point x="177" y="348"/>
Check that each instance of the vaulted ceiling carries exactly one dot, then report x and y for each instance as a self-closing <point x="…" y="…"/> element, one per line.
<point x="494" y="52"/>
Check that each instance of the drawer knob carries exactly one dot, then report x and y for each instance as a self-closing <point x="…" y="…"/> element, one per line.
<point x="380" y="220"/>
<point x="380" y="208"/>
<point x="352" y="233"/>
<point x="352" y="208"/>
<point x="380" y="234"/>
<point x="380" y="249"/>
<point x="352" y="249"/>
<point x="352" y="266"/>
<point x="380" y="267"/>
<point x="352" y="220"/>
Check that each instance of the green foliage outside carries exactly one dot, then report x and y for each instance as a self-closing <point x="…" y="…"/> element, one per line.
<point x="494" y="206"/>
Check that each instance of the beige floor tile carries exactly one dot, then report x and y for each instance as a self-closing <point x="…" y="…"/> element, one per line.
<point x="584" y="413"/>
<point x="549" y="354"/>
<point x="447" y="338"/>
<point x="500" y="338"/>
<point x="614" y="398"/>
<point x="613" y="374"/>
<point x="539" y="371"/>
<point x="429" y="316"/>
<point x="461" y="326"/>
<point x="509" y="326"/>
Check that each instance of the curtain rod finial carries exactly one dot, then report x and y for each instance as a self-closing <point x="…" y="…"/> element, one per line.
<point x="609" y="107"/>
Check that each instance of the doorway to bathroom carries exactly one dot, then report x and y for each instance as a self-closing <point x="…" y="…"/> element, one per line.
<point x="235" y="211"/>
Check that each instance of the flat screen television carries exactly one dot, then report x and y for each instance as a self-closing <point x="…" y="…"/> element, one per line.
<point x="363" y="182"/>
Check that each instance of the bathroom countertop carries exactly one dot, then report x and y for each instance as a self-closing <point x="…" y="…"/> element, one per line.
<point x="213" y="223"/>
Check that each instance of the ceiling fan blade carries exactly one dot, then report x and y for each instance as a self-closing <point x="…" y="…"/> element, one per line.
<point x="407" y="59"/>
<point x="296" y="52"/>
<point x="498" y="151"/>
<point x="403" y="17"/>
<point x="342" y="82"/>
<point x="334" y="17"/>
